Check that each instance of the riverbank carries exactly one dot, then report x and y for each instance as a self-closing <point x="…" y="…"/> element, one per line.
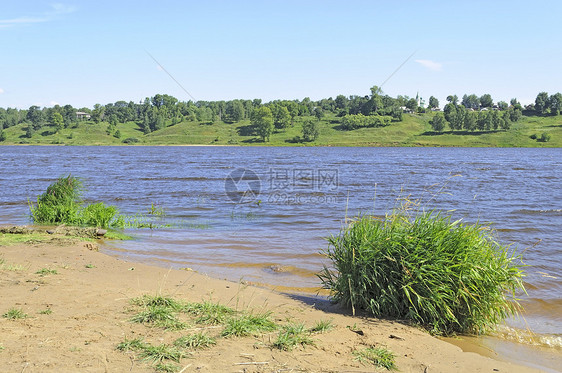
<point x="78" y="307"/>
<point x="413" y="131"/>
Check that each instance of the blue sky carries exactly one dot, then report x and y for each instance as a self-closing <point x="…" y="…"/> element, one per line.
<point x="87" y="52"/>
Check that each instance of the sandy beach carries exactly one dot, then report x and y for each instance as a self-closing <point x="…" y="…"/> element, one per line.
<point x="77" y="316"/>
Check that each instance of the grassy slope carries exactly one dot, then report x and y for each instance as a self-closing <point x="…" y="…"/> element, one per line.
<point x="413" y="131"/>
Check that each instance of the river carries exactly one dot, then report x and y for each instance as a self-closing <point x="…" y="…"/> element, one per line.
<point x="261" y="214"/>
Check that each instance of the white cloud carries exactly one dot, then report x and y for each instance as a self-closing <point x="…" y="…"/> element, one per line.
<point x="431" y="65"/>
<point x="1" y="91"/>
<point x="53" y="103"/>
<point x="56" y="9"/>
<point x="59" y="8"/>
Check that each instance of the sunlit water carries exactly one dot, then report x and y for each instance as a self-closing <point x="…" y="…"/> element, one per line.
<point x="302" y="195"/>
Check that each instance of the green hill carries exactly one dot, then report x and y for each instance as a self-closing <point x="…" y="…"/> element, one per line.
<point x="414" y="130"/>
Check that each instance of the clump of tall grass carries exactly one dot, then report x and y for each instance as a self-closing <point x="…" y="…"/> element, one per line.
<point x="62" y="204"/>
<point x="447" y="276"/>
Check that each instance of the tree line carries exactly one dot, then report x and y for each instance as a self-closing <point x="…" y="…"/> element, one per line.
<point x="376" y="109"/>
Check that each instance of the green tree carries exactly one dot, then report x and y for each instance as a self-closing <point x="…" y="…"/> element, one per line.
<point x="98" y="113"/>
<point x="35" y="116"/>
<point x="453" y="99"/>
<point x="470" y="121"/>
<point x="412" y="104"/>
<point x="341" y="102"/>
<point x="318" y="113"/>
<point x="433" y="102"/>
<point x="57" y="120"/>
<point x="470" y="101"/>
<point x="555" y="104"/>
<point x="502" y="105"/>
<point x="505" y="122"/>
<point x="262" y="120"/>
<point x="515" y="104"/>
<point x="486" y="100"/>
<point x="310" y="130"/>
<point x="514" y="114"/>
<point x="438" y="122"/>
<point x="482" y="120"/>
<point x="450" y="110"/>
<point x="541" y="103"/>
<point x="117" y="134"/>
<point x="235" y="110"/>
<point x="496" y="120"/>
<point x="282" y="117"/>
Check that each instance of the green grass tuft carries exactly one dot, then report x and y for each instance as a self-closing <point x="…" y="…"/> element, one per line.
<point x="447" y="276"/>
<point x="46" y="271"/>
<point x="322" y="326"/>
<point x="292" y="335"/>
<point x="208" y="313"/>
<point x="131" y="345"/>
<point x="378" y="356"/>
<point x="248" y="324"/>
<point x="157" y="354"/>
<point x="62" y="203"/>
<point x="166" y="367"/>
<point x="160" y="316"/>
<point x="14" y="314"/>
<point x="195" y="341"/>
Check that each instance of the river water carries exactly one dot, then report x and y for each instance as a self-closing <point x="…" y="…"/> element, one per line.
<point x="262" y="214"/>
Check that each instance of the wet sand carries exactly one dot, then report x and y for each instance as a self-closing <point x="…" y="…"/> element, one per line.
<point x="89" y="303"/>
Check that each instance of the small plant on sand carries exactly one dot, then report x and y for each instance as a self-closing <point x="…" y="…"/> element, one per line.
<point x="160" y="316"/>
<point x="248" y="324"/>
<point x="195" y="341"/>
<point x="10" y="267"/>
<point x="14" y="314"/>
<point x="292" y="335"/>
<point x="131" y="345"/>
<point x="166" y="367"/>
<point x="47" y="311"/>
<point x="378" y="356"/>
<point x="157" y="354"/>
<point x="208" y="312"/>
<point x="159" y="311"/>
<point x="46" y="271"/>
<point x="322" y="326"/>
<point x="447" y="276"/>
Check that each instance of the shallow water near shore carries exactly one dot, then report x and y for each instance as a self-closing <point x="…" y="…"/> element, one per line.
<point x="262" y="214"/>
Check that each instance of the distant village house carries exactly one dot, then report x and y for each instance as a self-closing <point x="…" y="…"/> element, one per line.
<point x="80" y="115"/>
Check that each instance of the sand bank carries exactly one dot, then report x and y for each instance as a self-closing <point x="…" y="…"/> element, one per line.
<point x="78" y="316"/>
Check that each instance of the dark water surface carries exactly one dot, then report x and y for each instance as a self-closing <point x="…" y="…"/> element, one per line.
<point x="304" y="194"/>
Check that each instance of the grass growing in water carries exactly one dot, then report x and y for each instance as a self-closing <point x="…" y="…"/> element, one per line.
<point x="379" y="356"/>
<point x="447" y="276"/>
<point x="62" y="203"/>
